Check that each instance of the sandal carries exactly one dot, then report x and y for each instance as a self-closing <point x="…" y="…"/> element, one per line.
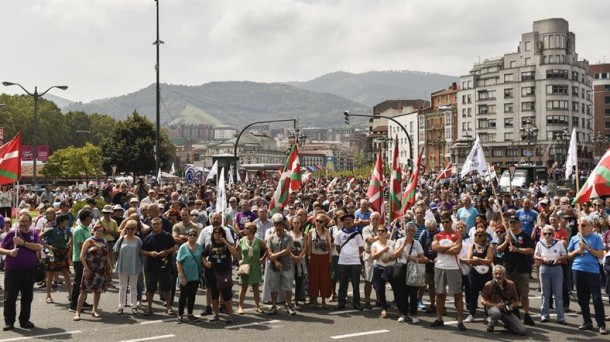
<point x="134" y="311"/>
<point x="49" y="300"/>
<point x="95" y="314"/>
<point x="240" y="310"/>
<point x="259" y="310"/>
<point x="170" y="311"/>
<point x="119" y="312"/>
<point x="148" y="312"/>
<point x="76" y="318"/>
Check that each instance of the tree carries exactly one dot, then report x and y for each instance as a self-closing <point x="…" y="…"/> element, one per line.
<point x="74" y="163"/>
<point x="131" y="145"/>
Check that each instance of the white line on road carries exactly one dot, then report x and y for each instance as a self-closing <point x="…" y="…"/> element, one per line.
<point x="149" y="338"/>
<point x="338" y="337"/>
<point x="252" y="324"/>
<point x="343" y="312"/>
<point x="41" y="336"/>
<point x="157" y="321"/>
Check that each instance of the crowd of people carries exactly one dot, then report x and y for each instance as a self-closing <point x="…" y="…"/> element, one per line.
<point x="458" y="239"/>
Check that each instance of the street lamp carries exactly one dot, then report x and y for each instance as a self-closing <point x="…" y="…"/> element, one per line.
<point x="598" y="140"/>
<point x="298" y="137"/>
<point x="35" y="95"/>
<point x="529" y="133"/>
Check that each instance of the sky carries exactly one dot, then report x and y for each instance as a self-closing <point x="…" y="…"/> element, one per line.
<point x="104" y="48"/>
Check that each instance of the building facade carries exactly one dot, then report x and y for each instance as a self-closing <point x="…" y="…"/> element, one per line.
<point x="519" y="104"/>
<point x="601" y="108"/>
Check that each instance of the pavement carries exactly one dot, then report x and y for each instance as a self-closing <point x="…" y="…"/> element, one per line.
<point x="54" y="322"/>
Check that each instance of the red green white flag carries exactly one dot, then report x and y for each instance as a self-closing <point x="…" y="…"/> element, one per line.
<point x="375" y="190"/>
<point x="395" y="186"/>
<point x="280" y="196"/>
<point x="10" y="160"/>
<point x="408" y="197"/>
<point x="598" y="183"/>
<point x="295" y="168"/>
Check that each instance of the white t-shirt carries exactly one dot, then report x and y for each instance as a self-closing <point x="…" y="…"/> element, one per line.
<point x="447" y="261"/>
<point x="350" y="253"/>
<point x="378" y="246"/>
<point x="417" y="250"/>
<point x="205" y="237"/>
<point x="550" y="252"/>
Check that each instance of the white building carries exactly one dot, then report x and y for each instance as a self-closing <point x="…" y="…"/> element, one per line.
<point x="409" y="122"/>
<point x="543" y="84"/>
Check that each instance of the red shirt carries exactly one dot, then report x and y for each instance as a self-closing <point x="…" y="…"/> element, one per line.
<point x="562" y="234"/>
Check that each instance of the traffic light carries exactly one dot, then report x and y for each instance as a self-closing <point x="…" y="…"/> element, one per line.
<point x="346" y="113"/>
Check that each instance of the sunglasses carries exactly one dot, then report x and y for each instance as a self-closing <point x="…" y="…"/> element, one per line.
<point x="320" y="221"/>
<point x="192" y="235"/>
<point x="548" y="234"/>
<point x="586" y="205"/>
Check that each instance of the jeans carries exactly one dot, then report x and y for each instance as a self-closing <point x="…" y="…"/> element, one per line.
<point x="349" y="273"/>
<point x="78" y="277"/>
<point x="15" y="282"/>
<point x="511" y="321"/>
<point x="551" y="280"/>
<point x="477" y="282"/>
<point x="588" y="286"/>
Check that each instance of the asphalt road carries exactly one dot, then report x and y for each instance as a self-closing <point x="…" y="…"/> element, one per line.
<point x="54" y="323"/>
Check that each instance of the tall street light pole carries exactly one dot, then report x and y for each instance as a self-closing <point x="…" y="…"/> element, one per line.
<point x="158" y="43"/>
<point x="529" y="133"/>
<point x="35" y="95"/>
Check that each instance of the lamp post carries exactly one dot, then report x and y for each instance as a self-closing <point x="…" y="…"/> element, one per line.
<point x="598" y="140"/>
<point x="158" y="43"/>
<point x="35" y="95"/>
<point x="529" y="133"/>
<point x="347" y="114"/>
<point x="294" y="123"/>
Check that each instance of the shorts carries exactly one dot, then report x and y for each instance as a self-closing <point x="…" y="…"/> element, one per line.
<point x="522" y="282"/>
<point x="280" y="280"/>
<point x="368" y="271"/>
<point x="430" y="279"/>
<point x="334" y="268"/>
<point x="163" y="279"/>
<point x="60" y="261"/>
<point x="448" y="278"/>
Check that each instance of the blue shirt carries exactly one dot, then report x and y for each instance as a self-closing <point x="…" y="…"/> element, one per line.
<point x="468" y="216"/>
<point x="586" y="262"/>
<point x="527" y="218"/>
<point x="191" y="261"/>
<point x="363" y="216"/>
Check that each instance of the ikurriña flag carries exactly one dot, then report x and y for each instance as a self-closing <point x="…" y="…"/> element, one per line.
<point x="10" y="160"/>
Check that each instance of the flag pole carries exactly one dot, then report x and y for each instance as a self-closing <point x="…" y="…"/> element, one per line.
<point x="578" y="218"/>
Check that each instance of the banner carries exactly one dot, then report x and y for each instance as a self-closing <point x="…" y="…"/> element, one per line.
<point x="27" y="153"/>
<point x="43" y="152"/>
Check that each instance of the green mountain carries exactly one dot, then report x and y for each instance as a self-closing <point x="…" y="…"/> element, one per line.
<point x="233" y="103"/>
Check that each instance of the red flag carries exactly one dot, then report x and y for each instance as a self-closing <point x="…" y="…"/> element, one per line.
<point x="446" y="173"/>
<point x="295" y="170"/>
<point x="375" y="191"/>
<point x="598" y="183"/>
<point x="10" y="160"/>
<point x="408" y="197"/>
<point x="280" y="196"/>
<point x="395" y="186"/>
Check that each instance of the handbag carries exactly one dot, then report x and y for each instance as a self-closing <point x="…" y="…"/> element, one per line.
<point x="397" y="268"/>
<point x="416" y="277"/>
<point x="243" y="270"/>
<point x="481" y="269"/>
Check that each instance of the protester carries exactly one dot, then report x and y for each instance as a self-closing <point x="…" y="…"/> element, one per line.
<point x="128" y="266"/>
<point x="319" y="242"/>
<point x="500" y="298"/>
<point x="189" y="265"/>
<point x="279" y="250"/>
<point x="251" y="249"/>
<point x="549" y="253"/>
<point x="349" y="244"/>
<point x="57" y="242"/>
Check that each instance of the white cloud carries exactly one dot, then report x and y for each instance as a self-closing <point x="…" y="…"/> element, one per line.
<point x="104" y="48"/>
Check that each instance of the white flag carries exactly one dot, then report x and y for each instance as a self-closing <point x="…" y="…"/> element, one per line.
<point x="159" y="176"/>
<point x="230" y="176"/>
<point x="572" y="157"/>
<point x="172" y="171"/>
<point x="221" y="193"/>
<point x="213" y="172"/>
<point x="237" y="177"/>
<point x="247" y="178"/>
<point x="475" y="160"/>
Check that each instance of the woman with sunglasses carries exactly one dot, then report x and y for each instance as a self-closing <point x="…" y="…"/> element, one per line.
<point x="550" y="253"/>
<point x="334" y="266"/>
<point x="298" y="259"/>
<point x="408" y="250"/>
<point x="218" y="268"/>
<point x="189" y="266"/>
<point x="129" y="265"/>
<point x="382" y="252"/>
<point x="250" y="248"/>
<point x="97" y="270"/>
<point x="320" y="258"/>
<point x="480" y="257"/>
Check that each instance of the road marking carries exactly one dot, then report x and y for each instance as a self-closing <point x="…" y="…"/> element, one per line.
<point x="571" y="314"/>
<point x="338" y="337"/>
<point x="157" y="321"/>
<point x="343" y="312"/>
<point x="41" y="336"/>
<point x="149" y="338"/>
<point x="252" y="324"/>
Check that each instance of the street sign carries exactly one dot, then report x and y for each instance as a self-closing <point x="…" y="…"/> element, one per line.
<point x="528" y="153"/>
<point x="511" y="170"/>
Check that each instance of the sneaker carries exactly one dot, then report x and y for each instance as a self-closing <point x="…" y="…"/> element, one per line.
<point x="527" y="320"/>
<point x="367" y="306"/>
<point x="544" y="319"/>
<point x="562" y="322"/>
<point x="290" y="311"/>
<point x="603" y="331"/>
<point x="192" y="317"/>
<point x="414" y="320"/>
<point x="586" y="326"/>
<point x="71" y="309"/>
<point x="214" y="318"/>
<point x="222" y="309"/>
<point x="8" y="327"/>
<point x="229" y="320"/>
<point x="421" y="306"/>
<point x="469" y="319"/>
<point x="490" y="328"/>
<point x="401" y="319"/>
<point x="461" y="327"/>
<point x="358" y="307"/>
<point x="179" y="320"/>
<point x="272" y="311"/>
<point x="207" y="311"/>
<point x="27" y="325"/>
<point x="437" y="323"/>
<point x="87" y="305"/>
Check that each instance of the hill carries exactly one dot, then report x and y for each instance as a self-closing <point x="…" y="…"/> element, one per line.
<point x="373" y="87"/>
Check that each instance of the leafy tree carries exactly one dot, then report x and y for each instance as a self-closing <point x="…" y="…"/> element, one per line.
<point x="74" y="162"/>
<point x="131" y="146"/>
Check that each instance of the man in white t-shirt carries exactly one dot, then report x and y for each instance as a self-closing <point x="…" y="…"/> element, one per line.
<point x="349" y="243"/>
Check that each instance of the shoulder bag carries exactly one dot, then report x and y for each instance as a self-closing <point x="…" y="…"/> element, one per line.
<point x="416" y="277"/>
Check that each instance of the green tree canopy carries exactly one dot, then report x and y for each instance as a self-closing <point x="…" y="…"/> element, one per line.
<point x="74" y="162"/>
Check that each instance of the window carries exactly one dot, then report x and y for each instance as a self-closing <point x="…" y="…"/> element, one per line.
<point x="512" y="152"/>
<point x="575" y="106"/>
<point x="527" y="76"/>
<point x="463" y="99"/>
<point x="575" y="121"/>
<point x="557" y="74"/>
<point x="528" y="106"/>
<point x="469" y="98"/>
<point x="557" y="105"/>
<point x="508" y="93"/>
<point x="557" y="120"/>
<point x="606" y="124"/>
<point x="557" y="89"/>
<point x="497" y="152"/>
<point x="483" y="110"/>
<point x="607" y="99"/>
<point x="528" y="46"/>
<point x="508" y="108"/>
<point x="508" y="123"/>
<point x="607" y="112"/>
<point x="575" y="76"/>
<point x="508" y="78"/>
<point x="528" y="61"/>
<point x="508" y="136"/>
<point x="487" y="123"/>
<point x="527" y="91"/>
<point x="487" y="95"/>
<point x="491" y="137"/>
<point x="469" y="112"/>
<point x="575" y="91"/>
<point x="463" y="112"/>
<point x="607" y="87"/>
<point x="513" y="64"/>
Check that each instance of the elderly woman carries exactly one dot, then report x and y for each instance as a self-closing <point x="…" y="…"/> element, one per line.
<point x="57" y="242"/>
<point x="189" y="265"/>
<point x="550" y="252"/>
<point x="298" y="259"/>
<point x="480" y="258"/>
<point x="320" y="258"/>
<point x="218" y="267"/>
<point x="250" y="248"/>
<point x="129" y="265"/>
<point x="97" y="270"/>
<point x="407" y="250"/>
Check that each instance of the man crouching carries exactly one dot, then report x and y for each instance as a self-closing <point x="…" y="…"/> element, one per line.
<point x="500" y="298"/>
